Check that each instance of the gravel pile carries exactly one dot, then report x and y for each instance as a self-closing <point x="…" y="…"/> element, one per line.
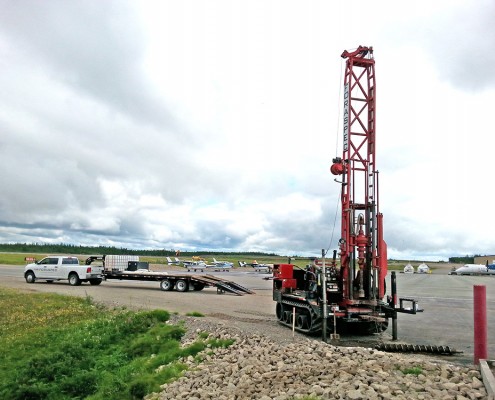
<point x="259" y="367"/>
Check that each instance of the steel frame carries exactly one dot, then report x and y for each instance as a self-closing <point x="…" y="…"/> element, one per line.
<point x="362" y="248"/>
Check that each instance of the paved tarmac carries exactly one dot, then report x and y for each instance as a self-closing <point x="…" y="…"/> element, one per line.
<point x="448" y="318"/>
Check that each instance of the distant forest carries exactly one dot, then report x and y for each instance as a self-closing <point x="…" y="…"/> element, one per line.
<point x="463" y="260"/>
<point x="93" y="250"/>
<point x="47" y="248"/>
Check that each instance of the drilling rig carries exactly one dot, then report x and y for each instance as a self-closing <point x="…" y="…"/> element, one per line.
<point x="348" y="296"/>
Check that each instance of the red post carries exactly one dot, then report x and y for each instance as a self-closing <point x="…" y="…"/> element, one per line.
<point x="480" y="325"/>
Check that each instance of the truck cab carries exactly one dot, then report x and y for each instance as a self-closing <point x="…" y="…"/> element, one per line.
<point x="55" y="268"/>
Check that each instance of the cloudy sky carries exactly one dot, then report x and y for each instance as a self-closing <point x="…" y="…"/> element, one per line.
<point x="204" y="125"/>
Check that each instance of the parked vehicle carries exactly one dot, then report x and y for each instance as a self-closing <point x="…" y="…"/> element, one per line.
<point x="123" y="267"/>
<point x="56" y="268"/>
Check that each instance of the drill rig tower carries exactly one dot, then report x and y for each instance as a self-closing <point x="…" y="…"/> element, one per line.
<point x="363" y="252"/>
<point x="354" y="292"/>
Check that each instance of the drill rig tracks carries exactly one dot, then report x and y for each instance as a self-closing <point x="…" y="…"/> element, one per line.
<point x="306" y="319"/>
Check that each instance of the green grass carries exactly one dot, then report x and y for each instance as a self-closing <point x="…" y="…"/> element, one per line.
<point x="412" y="371"/>
<point x="195" y="314"/>
<point x="203" y="335"/>
<point x="18" y="258"/>
<point x="58" y="347"/>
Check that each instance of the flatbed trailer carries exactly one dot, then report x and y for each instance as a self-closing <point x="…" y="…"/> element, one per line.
<point x="180" y="282"/>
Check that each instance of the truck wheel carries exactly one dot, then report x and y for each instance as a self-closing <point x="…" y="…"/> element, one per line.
<point x="94" y="282"/>
<point x="181" y="286"/>
<point x="74" y="279"/>
<point x="166" y="285"/>
<point x="30" y="277"/>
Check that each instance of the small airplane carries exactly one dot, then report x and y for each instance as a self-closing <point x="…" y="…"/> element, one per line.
<point x="220" y="266"/>
<point x="199" y="264"/>
<point x="196" y="263"/>
<point x="474" y="269"/>
<point x="173" y="262"/>
<point x="257" y="266"/>
<point x="195" y="260"/>
<point x="225" y="264"/>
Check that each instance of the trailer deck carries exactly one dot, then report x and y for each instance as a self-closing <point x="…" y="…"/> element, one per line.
<point x="180" y="282"/>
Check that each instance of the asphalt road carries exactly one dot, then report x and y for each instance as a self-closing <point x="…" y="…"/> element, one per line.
<point x="448" y="318"/>
<point x="447" y="301"/>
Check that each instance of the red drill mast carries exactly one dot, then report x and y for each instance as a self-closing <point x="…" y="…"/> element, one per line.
<point x="363" y="252"/>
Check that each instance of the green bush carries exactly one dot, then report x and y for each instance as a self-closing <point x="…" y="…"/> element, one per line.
<point x="195" y="314"/>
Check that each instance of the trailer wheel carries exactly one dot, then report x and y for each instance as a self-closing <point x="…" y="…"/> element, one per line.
<point x="181" y="285"/>
<point x="198" y="286"/>
<point x="74" y="279"/>
<point x="95" y="282"/>
<point x="166" y="285"/>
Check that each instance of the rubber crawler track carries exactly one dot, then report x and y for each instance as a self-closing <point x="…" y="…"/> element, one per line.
<point x="316" y="322"/>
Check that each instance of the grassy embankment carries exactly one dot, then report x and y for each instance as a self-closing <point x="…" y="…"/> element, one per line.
<point x="58" y="347"/>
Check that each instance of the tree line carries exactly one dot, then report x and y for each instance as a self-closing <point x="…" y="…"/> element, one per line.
<point x="463" y="260"/>
<point x="92" y="250"/>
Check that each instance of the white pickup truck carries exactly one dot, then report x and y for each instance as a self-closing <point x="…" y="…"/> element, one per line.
<point x="55" y="268"/>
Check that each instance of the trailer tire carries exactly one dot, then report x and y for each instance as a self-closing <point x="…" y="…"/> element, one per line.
<point x="198" y="286"/>
<point x="74" y="279"/>
<point x="95" y="282"/>
<point x="181" y="285"/>
<point x="30" y="277"/>
<point x="166" y="285"/>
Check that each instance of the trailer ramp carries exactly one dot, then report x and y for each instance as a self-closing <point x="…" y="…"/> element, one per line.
<point x="223" y="285"/>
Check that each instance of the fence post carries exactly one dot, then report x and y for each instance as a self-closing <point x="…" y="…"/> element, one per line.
<point x="480" y="324"/>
